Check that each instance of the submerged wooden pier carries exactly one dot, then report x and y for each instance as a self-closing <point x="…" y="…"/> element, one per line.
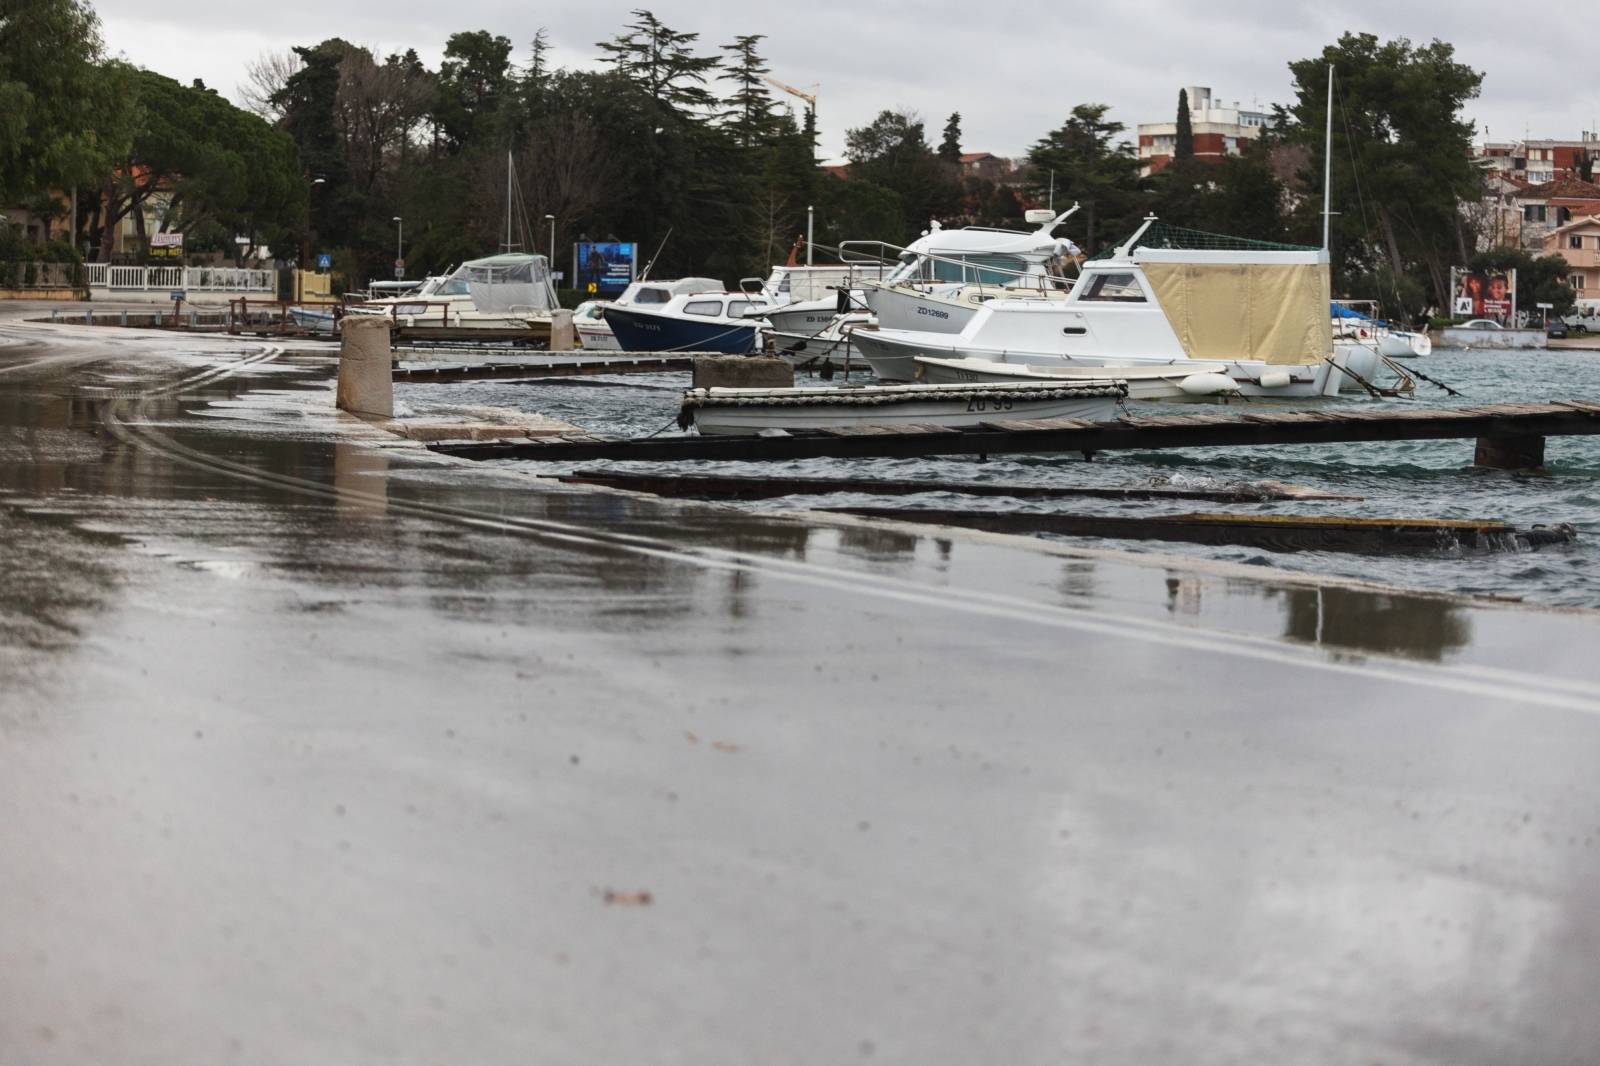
<point x="557" y="367"/>
<point x="1509" y="436"/>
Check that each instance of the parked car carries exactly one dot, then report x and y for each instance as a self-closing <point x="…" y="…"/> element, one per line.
<point x="1585" y="321"/>
<point x="1482" y="323"/>
<point x="1558" y="330"/>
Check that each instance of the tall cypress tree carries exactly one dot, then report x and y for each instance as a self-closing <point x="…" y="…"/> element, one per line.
<point x="950" y="147"/>
<point x="1183" y="146"/>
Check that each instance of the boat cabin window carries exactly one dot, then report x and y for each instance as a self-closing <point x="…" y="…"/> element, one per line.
<point x="985" y="269"/>
<point x="703" y="308"/>
<point x="652" y="296"/>
<point x="994" y="269"/>
<point x="453" y="287"/>
<point x="737" y="308"/>
<point x="1116" y="288"/>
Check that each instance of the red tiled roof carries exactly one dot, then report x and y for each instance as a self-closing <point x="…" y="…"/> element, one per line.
<point x="1563" y="189"/>
<point x="973" y="157"/>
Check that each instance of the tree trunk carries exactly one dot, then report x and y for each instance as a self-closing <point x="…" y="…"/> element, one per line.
<point x="1389" y="239"/>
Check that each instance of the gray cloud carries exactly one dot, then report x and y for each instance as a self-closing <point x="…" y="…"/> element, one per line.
<point x="1013" y="70"/>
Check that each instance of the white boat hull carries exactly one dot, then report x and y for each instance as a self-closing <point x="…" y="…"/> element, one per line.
<point x="1144" y="383"/>
<point x="909" y="309"/>
<point x="805" y="319"/>
<point x="1400" y="344"/>
<point x="595" y="339"/>
<point x="893" y="356"/>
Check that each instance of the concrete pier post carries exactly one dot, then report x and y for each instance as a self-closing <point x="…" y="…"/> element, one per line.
<point x="1509" y="452"/>
<point x="563" y="337"/>
<point x="366" y="371"/>
<point x="742" y="372"/>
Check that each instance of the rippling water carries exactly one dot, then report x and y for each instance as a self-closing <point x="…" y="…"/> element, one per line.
<point x="1404" y="478"/>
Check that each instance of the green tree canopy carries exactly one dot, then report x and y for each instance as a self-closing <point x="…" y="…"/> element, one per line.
<point x="892" y="153"/>
<point x="218" y="172"/>
<point x="63" y="114"/>
<point x="1402" y="162"/>
<point x="1095" y="168"/>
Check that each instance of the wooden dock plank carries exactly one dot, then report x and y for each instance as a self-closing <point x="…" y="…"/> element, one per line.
<point x="1254" y="428"/>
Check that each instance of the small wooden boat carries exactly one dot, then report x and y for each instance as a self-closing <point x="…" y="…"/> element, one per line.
<point x="745" y="411"/>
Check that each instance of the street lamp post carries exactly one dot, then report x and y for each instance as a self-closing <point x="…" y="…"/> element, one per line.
<point x="399" y="246"/>
<point x="305" y="240"/>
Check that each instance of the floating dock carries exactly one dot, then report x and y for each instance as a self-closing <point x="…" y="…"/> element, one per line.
<point x="1509" y="436"/>
<point x="768" y="488"/>
<point x="446" y="373"/>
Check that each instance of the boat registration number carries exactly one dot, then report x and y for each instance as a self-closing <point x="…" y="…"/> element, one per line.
<point x="975" y="406"/>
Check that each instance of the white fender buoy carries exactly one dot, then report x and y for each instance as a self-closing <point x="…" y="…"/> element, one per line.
<point x="1208" y="385"/>
<point x="1275" y="379"/>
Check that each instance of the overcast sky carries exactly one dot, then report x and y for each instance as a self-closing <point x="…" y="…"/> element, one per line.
<point x="1013" y="70"/>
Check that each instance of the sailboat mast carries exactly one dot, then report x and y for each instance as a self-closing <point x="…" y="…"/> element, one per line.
<point x="1327" y="164"/>
<point x="508" y="201"/>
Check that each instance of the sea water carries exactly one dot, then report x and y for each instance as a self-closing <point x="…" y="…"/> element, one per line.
<point x="1430" y="478"/>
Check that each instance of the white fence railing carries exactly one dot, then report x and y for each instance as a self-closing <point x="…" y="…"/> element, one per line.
<point x="188" y="279"/>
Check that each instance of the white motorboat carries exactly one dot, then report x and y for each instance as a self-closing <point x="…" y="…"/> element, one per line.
<point x="831" y="347"/>
<point x="589" y="318"/>
<point x="498" y="292"/>
<point x="1164" y="298"/>
<point x="804" y="300"/>
<point x="750" y="411"/>
<point x="1180" y="379"/>
<point x="946" y="275"/>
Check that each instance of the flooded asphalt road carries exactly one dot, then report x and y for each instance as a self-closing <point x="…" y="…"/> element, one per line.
<point x="315" y="747"/>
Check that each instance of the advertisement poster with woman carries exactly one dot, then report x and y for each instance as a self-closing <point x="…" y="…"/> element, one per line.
<point x="1485" y="294"/>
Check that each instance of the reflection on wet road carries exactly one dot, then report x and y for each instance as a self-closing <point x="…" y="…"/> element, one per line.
<point x="320" y="748"/>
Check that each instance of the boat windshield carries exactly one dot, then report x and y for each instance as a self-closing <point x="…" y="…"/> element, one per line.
<point x="980" y="269"/>
<point x="452" y="286"/>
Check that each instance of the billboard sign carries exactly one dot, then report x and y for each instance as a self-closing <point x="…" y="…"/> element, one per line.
<point x="604" y="268"/>
<point x="1486" y="294"/>
<point x="166" y="246"/>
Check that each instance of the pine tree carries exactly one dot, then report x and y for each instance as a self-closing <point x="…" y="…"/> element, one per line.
<point x="661" y="64"/>
<point x="1094" y="168"/>
<point x="748" y="115"/>
<point x="950" y="147"/>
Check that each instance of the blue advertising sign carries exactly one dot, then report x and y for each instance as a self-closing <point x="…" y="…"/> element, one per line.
<point x="604" y="267"/>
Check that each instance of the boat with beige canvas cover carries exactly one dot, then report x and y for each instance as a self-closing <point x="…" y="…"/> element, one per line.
<point x="1242" y="317"/>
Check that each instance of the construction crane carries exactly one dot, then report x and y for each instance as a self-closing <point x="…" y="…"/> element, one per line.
<point x="809" y="97"/>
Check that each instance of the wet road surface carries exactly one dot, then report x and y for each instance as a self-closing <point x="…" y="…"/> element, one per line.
<point x="316" y="747"/>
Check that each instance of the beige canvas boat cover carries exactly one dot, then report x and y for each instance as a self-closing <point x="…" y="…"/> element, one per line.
<point x="1272" y="312"/>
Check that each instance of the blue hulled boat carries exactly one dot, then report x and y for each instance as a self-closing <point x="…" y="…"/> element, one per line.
<point x="726" y="322"/>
